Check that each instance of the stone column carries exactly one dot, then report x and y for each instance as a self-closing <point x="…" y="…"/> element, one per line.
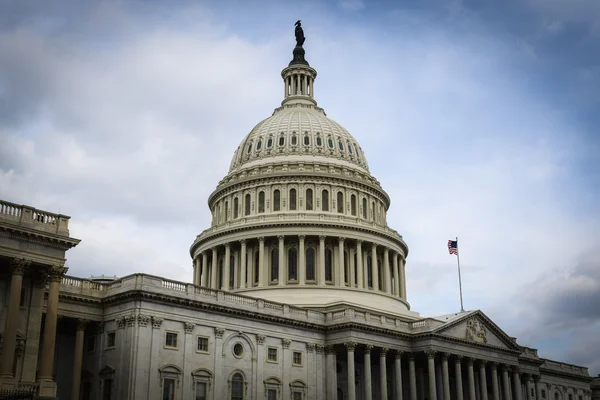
<point x="261" y="261"/>
<point x="527" y="385"/>
<point x="471" y="378"/>
<point x="445" y="376"/>
<point x="387" y="280"/>
<point x="396" y="275"/>
<point x="367" y="362"/>
<point x="398" y="374"/>
<point x="458" y="376"/>
<point x="226" y="267"/>
<point x="282" y="279"/>
<point x="412" y="377"/>
<point x="78" y="358"/>
<point x="495" y="387"/>
<point x="9" y="343"/>
<point x="243" y="255"/>
<point x="359" y="265"/>
<point x="403" y="279"/>
<point x="301" y="261"/>
<point x="431" y="372"/>
<point x="483" y="380"/>
<point x="204" y="280"/>
<point x="331" y="372"/>
<point x="350" y="346"/>
<point x="321" y="270"/>
<point x="517" y="383"/>
<point x="213" y="269"/>
<point x="383" y="373"/>
<point x="47" y="387"/>
<point x="506" y="383"/>
<point x="351" y="267"/>
<point x="341" y="270"/>
<point x="236" y="269"/>
<point x="538" y="387"/>
<point x="375" y="272"/>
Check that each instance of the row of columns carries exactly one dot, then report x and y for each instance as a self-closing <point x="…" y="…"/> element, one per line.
<point x="500" y="391"/>
<point x="298" y="84"/>
<point x="53" y="276"/>
<point x="393" y="283"/>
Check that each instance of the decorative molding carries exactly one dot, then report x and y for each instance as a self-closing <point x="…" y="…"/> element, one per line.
<point x="121" y="322"/>
<point x="219" y="332"/>
<point x="398" y="353"/>
<point x="286" y="343"/>
<point x="130" y="319"/>
<point x="368" y="348"/>
<point x="458" y="358"/>
<point x="189" y="327"/>
<point x="430" y="353"/>
<point x="56" y="273"/>
<point x="330" y="349"/>
<point x="19" y="265"/>
<point x="470" y="361"/>
<point x="260" y="339"/>
<point x="350" y="346"/>
<point x="319" y="348"/>
<point x="476" y="331"/>
<point x="310" y="347"/>
<point x="156" y="322"/>
<point x="444" y="357"/>
<point x="383" y="351"/>
<point x="143" y="320"/>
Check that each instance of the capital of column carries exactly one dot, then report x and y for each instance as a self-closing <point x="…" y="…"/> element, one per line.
<point x="493" y="365"/>
<point x="261" y="239"/>
<point x="19" y="265"/>
<point x="227" y="245"/>
<point x="515" y="369"/>
<point x="411" y="356"/>
<point x="359" y="241"/>
<point x="383" y="351"/>
<point x="482" y="363"/>
<point x="329" y="349"/>
<point x="56" y="273"/>
<point x="341" y="239"/>
<point x="322" y="238"/>
<point x="470" y="361"/>
<point x="301" y="237"/>
<point x="445" y="356"/>
<point x="398" y="353"/>
<point x="350" y="346"/>
<point x="82" y="323"/>
<point x="374" y="246"/>
<point x="537" y="378"/>
<point x="458" y="358"/>
<point x="368" y="348"/>
<point x="430" y="353"/>
<point x="281" y="237"/>
<point x="242" y="241"/>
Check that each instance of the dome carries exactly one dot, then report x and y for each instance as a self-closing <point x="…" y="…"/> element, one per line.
<point x="297" y="131"/>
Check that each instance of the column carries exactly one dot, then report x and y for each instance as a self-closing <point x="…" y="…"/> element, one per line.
<point x="471" y="378"/>
<point x="9" y="344"/>
<point x="350" y="346"/>
<point x="251" y="266"/>
<point x="367" y="362"/>
<point x="305" y="85"/>
<point x="526" y="384"/>
<point x="387" y="280"/>
<point x="445" y="376"/>
<point x="412" y="377"/>
<point x="383" y="373"/>
<point x="375" y="272"/>
<point x="483" y="380"/>
<point x="396" y="275"/>
<point x="321" y="271"/>
<point x="495" y="388"/>
<point x="359" y="265"/>
<point x="226" y="267"/>
<point x="78" y="358"/>
<point x="351" y="267"/>
<point x="458" y="376"/>
<point x="403" y="279"/>
<point x="55" y="275"/>
<point x="301" y="261"/>
<point x="261" y="261"/>
<point x="236" y="269"/>
<point x="196" y="271"/>
<point x="213" y="269"/>
<point x="204" y="282"/>
<point x="243" y="255"/>
<point x="506" y="383"/>
<point x="312" y="94"/>
<point x="331" y="372"/>
<point x="340" y="279"/>
<point x="538" y="387"/>
<point x="398" y="374"/>
<point x="517" y="383"/>
<point x="431" y="372"/>
<point x="282" y="279"/>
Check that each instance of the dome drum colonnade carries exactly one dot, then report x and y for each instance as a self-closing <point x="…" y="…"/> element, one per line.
<point x="299" y="209"/>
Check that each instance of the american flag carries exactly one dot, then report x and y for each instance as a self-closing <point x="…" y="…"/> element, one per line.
<point x="453" y="246"/>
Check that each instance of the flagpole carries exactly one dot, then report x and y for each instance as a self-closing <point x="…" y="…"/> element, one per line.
<point x="459" y="279"/>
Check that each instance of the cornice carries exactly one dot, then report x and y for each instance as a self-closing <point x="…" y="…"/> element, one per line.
<point x="565" y="374"/>
<point x="38" y="237"/>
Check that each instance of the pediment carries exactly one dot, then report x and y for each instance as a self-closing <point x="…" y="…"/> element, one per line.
<point x="477" y="328"/>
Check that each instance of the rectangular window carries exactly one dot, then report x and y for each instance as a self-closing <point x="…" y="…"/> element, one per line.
<point x="91" y="344"/>
<point x="271" y="394"/>
<point x="107" y="389"/>
<point x="171" y="340"/>
<point x="168" y="389"/>
<point x="111" y="340"/>
<point x="200" y="390"/>
<point x="297" y="358"/>
<point x="297" y="396"/>
<point x="272" y="354"/>
<point x="202" y="346"/>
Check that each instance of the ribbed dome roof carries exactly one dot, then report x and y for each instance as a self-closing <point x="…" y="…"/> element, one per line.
<point x="299" y="132"/>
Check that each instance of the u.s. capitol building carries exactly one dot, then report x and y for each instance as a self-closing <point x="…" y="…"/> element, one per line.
<point x="298" y="292"/>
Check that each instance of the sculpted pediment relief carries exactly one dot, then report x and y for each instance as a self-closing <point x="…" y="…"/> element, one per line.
<point x="477" y="328"/>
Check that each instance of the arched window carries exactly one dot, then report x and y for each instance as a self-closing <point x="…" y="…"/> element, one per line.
<point x="365" y="209"/>
<point x="261" y="202"/>
<point x="340" y="145"/>
<point x="294" y="140"/>
<point x="292" y="264"/>
<point x="292" y="199"/>
<point x="249" y="148"/>
<point x="325" y="200"/>
<point x="259" y="145"/>
<point x="274" y="264"/>
<point x="353" y="205"/>
<point x="319" y="142"/>
<point x="340" y="202"/>
<point x="247" y="204"/>
<point x="349" y="148"/>
<point x="276" y="200"/>
<point x="281" y="141"/>
<point x="237" y="387"/>
<point x="310" y="264"/>
<point x="328" y="265"/>
<point x="226" y="211"/>
<point x="256" y="267"/>
<point x="309" y="199"/>
<point x="306" y="140"/>
<point x="369" y="272"/>
<point x="232" y="272"/>
<point x="235" y="207"/>
<point x="269" y="143"/>
<point x="330" y="142"/>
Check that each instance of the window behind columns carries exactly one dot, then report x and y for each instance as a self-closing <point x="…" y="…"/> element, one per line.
<point x="325" y="200"/>
<point x="346" y="269"/>
<point x="293" y="199"/>
<point x="292" y="264"/>
<point x="370" y="271"/>
<point x="232" y="272"/>
<point x="353" y="205"/>
<point x="261" y="202"/>
<point x="247" y="202"/>
<point x="276" y="200"/>
<point x="328" y="265"/>
<point x="340" y="202"/>
<point x="355" y="269"/>
<point x="235" y="207"/>
<point x="274" y="264"/>
<point x="379" y="274"/>
<point x="310" y="264"/>
<point x="309" y="199"/>
<point x="220" y="273"/>
<point x="256" y="267"/>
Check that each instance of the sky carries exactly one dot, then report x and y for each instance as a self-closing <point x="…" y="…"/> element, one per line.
<point x="479" y="118"/>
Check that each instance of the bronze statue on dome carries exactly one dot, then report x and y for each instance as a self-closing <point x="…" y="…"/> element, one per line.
<point x="299" y="34"/>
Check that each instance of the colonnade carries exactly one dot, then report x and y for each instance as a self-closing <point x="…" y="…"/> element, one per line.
<point x="431" y="376"/>
<point x="302" y="260"/>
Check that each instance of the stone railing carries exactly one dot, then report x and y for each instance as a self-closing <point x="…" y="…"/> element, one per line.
<point x="564" y="367"/>
<point x="33" y="218"/>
